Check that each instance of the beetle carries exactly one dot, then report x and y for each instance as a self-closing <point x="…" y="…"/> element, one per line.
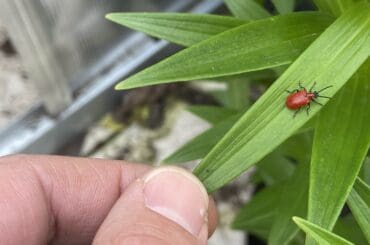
<point x="300" y="98"/>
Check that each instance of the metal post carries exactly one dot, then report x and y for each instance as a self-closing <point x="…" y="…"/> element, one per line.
<point x="25" y="21"/>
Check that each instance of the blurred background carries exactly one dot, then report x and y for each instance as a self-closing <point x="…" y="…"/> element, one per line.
<point x="59" y="62"/>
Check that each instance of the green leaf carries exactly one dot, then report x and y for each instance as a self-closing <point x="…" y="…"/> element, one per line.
<point x="293" y="202"/>
<point x="331" y="60"/>
<point x="275" y="168"/>
<point x="347" y="228"/>
<point x="199" y="146"/>
<point x="257" y="215"/>
<point x="298" y="146"/>
<point x="242" y="49"/>
<point x="222" y="97"/>
<point x="322" y="236"/>
<point x="363" y="190"/>
<point x="339" y="149"/>
<point x="211" y="114"/>
<point x="335" y="7"/>
<point x="246" y="9"/>
<point x="183" y="29"/>
<point x="284" y="6"/>
<point x="238" y="89"/>
<point x="365" y="171"/>
<point x="359" y="203"/>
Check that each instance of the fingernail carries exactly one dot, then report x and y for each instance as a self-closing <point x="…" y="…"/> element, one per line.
<point x="177" y="195"/>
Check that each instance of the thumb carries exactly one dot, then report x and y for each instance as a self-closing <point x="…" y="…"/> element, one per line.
<point x="166" y="206"/>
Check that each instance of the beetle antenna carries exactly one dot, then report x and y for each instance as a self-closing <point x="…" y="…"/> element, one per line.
<point x="323" y="97"/>
<point x="317" y="102"/>
<point x="324" y="88"/>
<point x="313" y="85"/>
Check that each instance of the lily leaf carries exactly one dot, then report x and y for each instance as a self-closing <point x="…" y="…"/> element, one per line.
<point x="212" y="114"/>
<point x="335" y="7"/>
<point x="200" y="146"/>
<point x="322" y="236"/>
<point x="257" y="214"/>
<point x="339" y="156"/>
<point x="284" y="6"/>
<point x="253" y="46"/>
<point x="365" y="172"/>
<point x="293" y="201"/>
<point x="179" y="28"/>
<point x="363" y="190"/>
<point x="331" y="60"/>
<point x="347" y="228"/>
<point x="246" y="9"/>
<point x="359" y="203"/>
<point x="275" y="168"/>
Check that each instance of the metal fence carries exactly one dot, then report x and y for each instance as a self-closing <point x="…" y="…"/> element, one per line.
<point x="76" y="56"/>
<point x="60" y="41"/>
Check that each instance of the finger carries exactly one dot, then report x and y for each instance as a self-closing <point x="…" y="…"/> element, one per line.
<point x="166" y="206"/>
<point x="67" y="198"/>
<point x="58" y="199"/>
<point x="212" y="217"/>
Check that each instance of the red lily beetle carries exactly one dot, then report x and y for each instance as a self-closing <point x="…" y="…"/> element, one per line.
<point x="299" y="98"/>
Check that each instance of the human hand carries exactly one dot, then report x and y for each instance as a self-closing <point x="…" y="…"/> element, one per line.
<point x="64" y="200"/>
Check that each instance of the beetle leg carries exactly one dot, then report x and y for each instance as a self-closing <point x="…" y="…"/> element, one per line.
<point x="301" y="87"/>
<point x="295" y="113"/>
<point x="308" y="109"/>
<point x="317" y="102"/>
<point x="327" y="97"/>
<point x="291" y="92"/>
<point x="324" y="88"/>
<point x="313" y="85"/>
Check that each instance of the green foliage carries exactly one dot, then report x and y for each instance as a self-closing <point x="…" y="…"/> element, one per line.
<point x="292" y="202"/>
<point x="284" y="6"/>
<point x="238" y="89"/>
<point x="359" y="203"/>
<point x="334" y="7"/>
<point x="257" y="214"/>
<point x="246" y="9"/>
<point x="183" y="29"/>
<point x="331" y="48"/>
<point x="365" y="171"/>
<point x="322" y="236"/>
<point x="268" y="123"/>
<point x="339" y="156"/>
<point x="241" y="49"/>
<point x="347" y="228"/>
<point x="275" y="167"/>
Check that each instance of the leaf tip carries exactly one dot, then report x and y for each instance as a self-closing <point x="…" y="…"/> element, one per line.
<point x="110" y="16"/>
<point x="120" y="86"/>
<point x="296" y="219"/>
<point x="166" y="161"/>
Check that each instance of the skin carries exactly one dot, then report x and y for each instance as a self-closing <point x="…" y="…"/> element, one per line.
<point x="65" y="200"/>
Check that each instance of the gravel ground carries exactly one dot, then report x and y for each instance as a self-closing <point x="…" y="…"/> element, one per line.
<point x="17" y="94"/>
